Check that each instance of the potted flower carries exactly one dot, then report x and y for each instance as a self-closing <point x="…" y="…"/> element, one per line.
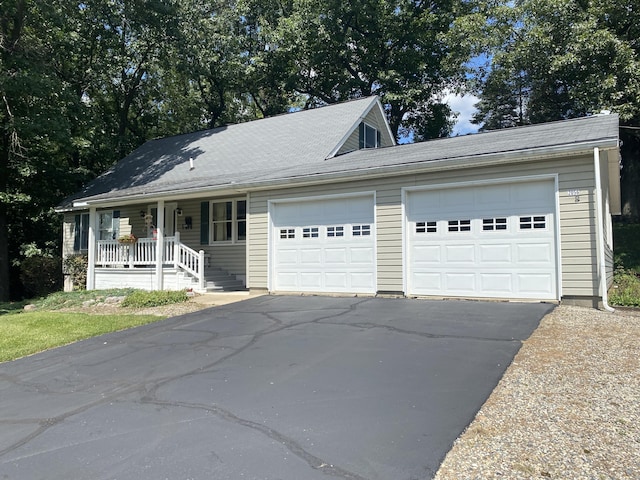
<point x="127" y="239"/>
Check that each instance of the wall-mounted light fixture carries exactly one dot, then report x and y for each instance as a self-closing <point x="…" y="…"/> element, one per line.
<point x="179" y="212"/>
<point x="142" y="213"/>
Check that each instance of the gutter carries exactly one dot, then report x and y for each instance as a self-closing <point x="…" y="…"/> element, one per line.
<point x="514" y="156"/>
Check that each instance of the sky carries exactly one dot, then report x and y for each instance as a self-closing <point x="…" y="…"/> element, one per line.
<point x="463" y="105"/>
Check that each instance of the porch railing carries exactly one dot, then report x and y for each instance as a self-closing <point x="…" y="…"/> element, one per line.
<point x="142" y="253"/>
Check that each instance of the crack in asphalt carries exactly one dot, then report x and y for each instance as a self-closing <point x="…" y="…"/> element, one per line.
<point x="294" y="447"/>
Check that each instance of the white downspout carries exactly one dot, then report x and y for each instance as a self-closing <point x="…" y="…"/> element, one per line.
<point x="602" y="267"/>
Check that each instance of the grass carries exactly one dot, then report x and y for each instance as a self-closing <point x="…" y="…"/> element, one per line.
<point x="625" y="291"/>
<point x="27" y="332"/>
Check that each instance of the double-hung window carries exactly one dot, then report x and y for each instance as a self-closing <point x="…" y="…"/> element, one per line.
<point x="228" y="221"/>
<point x="369" y="137"/>
<point x="81" y="232"/>
<point x="109" y="225"/>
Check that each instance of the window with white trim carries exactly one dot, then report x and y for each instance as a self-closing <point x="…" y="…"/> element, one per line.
<point x="426" y="227"/>
<point x="535" y="222"/>
<point x="459" y="225"/>
<point x="81" y="232"/>
<point x="337" y="231"/>
<point x="369" y="136"/>
<point x="492" y="224"/>
<point x="361" y="230"/>
<point x="108" y="225"/>
<point x="228" y="221"/>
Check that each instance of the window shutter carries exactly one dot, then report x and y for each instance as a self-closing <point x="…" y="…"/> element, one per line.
<point x="361" y="135"/>
<point x="204" y="223"/>
<point x="116" y="214"/>
<point x="76" y="234"/>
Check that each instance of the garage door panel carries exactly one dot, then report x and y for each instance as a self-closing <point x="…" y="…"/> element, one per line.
<point x="336" y="280"/>
<point x="538" y="284"/>
<point x="460" y="282"/>
<point x="460" y="253"/>
<point x="310" y="256"/>
<point x="427" y="254"/>
<point x="535" y="253"/>
<point x="498" y="283"/>
<point x="311" y="279"/>
<point x="498" y="253"/>
<point x="288" y="257"/>
<point x="506" y="248"/>
<point x="365" y="280"/>
<point x="287" y="279"/>
<point x="362" y="255"/>
<point x="335" y="256"/>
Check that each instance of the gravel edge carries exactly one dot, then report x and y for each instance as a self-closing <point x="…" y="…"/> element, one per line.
<point x="568" y="407"/>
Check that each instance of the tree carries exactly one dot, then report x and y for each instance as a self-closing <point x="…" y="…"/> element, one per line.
<point x="564" y="59"/>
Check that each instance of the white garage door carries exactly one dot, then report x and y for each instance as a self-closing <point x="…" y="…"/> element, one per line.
<point x="325" y="245"/>
<point x="486" y="241"/>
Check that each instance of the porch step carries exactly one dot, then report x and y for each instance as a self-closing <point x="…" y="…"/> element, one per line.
<point x="218" y="280"/>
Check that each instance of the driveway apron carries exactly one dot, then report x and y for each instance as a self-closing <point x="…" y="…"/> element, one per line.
<point x="275" y="387"/>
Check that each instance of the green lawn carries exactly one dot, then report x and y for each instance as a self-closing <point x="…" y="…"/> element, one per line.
<point x="27" y="333"/>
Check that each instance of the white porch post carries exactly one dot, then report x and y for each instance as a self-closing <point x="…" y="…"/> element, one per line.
<point x="91" y="252"/>
<point x="160" y="245"/>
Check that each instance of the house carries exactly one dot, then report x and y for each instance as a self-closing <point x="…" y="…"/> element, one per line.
<point x="324" y="201"/>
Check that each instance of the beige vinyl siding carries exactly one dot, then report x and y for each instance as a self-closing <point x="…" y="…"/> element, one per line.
<point x="68" y="234"/>
<point x="577" y="227"/>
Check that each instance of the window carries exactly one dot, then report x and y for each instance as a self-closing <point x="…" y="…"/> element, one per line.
<point x="109" y="225"/>
<point x="361" y="230"/>
<point x="459" y="225"/>
<point x="369" y="137"/>
<point x="229" y="221"/>
<point x="426" y="227"/>
<point x="335" y="231"/>
<point x="81" y="232"/>
<point x="491" y="224"/>
<point x="310" y="232"/>
<point x="286" y="233"/>
<point x="534" y="222"/>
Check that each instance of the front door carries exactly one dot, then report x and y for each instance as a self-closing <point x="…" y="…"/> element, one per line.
<point x="169" y="220"/>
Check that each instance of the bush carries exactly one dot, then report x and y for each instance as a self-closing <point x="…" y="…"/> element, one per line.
<point x="625" y="291"/>
<point x="76" y="267"/>
<point x="141" y="298"/>
<point x="40" y="275"/>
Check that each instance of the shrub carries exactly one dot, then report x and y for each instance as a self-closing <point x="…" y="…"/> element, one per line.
<point x="141" y="298"/>
<point x="76" y="267"/>
<point x="625" y="291"/>
<point x="40" y="275"/>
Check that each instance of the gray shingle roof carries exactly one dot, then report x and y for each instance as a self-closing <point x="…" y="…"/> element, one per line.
<point x="295" y="146"/>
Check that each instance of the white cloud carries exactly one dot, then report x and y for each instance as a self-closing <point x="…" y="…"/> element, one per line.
<point x="464" y="106"/>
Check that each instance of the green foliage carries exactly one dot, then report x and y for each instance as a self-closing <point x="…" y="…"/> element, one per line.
<point x="41" y="275"/>
<point x="625" y="290"/>
<point x="626" y="242"/>
<point x="26" y="333"/>
<point x="76" y="267"/>
<point x="141" y="298"/>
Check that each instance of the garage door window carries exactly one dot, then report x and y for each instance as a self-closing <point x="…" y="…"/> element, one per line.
<point x="459" y="225"/>
<point x="337" y="231"/>
<point x="287" y="233"/>
<point x="426" y="227"/>
<point x="361" y="230"/>
<point x="534" y="222"/>
<point x="493" y="224"/>
<point x="310" y="232"/>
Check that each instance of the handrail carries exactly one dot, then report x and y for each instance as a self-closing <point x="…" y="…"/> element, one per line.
<point x="111" y="253"/>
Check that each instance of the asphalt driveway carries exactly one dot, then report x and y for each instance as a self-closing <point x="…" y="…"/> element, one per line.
<point x="291" y="388"/>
